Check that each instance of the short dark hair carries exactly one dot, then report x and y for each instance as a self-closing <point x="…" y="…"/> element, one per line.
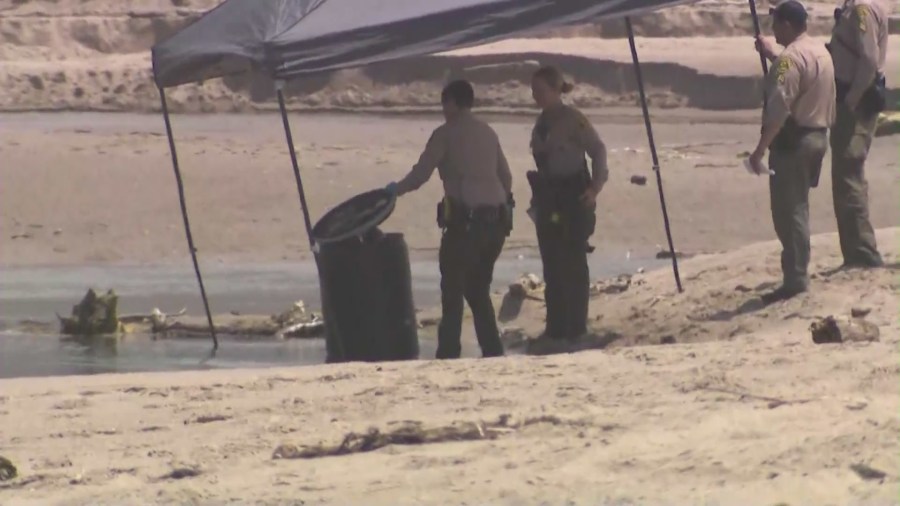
<point x="791" y="12"/>
<point x="459" y="92"/>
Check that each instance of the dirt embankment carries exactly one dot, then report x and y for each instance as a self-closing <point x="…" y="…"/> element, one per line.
<point x="94" y="55"/>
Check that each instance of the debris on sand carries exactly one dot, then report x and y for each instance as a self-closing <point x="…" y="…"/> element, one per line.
<point x="833" y="329"/>
<point x="612" y="286"/>
<point x="860" y="312"/>
<point x="529" y="286"/>
<point x="638" y="180"/>
<point x="513" y="337"/>
<point x="181" y="473"/>
<point x="7" y="470"/>
<point x="888" y="124"/>
<point x="414" y="433"/>
<point x="94" y="315"/>
<point x="868" y="473"/>
<point x="208" y="419"/>
<point x="429" y="321"/>
<point x="667" y="255"/>
<point x="296" y="313"/>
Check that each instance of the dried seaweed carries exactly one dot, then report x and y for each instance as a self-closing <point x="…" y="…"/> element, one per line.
<point x="411" y="433"/>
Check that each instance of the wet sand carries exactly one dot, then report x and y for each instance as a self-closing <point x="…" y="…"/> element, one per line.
<point x="98" y="189"/>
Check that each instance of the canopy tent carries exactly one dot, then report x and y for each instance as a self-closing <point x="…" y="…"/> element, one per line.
<point x="292" y="38"/>
<point x="289" y="38"/>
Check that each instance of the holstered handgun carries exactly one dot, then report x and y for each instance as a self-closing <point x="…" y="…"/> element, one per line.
<point x="874" y="100"/>
<point x="507" y="215"/>
<point x="444" y="213"/>
<point x="788" y="138"/>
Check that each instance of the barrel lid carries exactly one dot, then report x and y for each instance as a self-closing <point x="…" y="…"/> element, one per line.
<point x="355" y="217"/>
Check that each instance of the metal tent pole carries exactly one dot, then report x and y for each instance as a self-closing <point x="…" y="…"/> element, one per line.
<point x="279" y="90"/>
<point x="758" y="32"/>
<point x="279" y="87"/>
<point x="184" y="214"/>
<point x="659" y="183"/>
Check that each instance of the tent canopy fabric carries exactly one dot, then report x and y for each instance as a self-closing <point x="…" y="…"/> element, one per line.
<point x="291" y="38"/>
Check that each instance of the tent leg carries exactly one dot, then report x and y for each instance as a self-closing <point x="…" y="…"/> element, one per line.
<point x="290" y="142"/>
<point x="279" y="87"/>
<point x="184" y="214"/>
<point x="659" y="183"/>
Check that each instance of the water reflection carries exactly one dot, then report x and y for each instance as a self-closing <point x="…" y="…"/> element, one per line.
<point x="98" y="354"/>
<point x="22" y="355"/>
<point x="35" y="355"/>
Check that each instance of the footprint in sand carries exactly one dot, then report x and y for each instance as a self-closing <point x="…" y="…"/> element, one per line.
<point x="70" y="404"/>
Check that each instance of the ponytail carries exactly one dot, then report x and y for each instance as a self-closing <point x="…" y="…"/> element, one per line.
<point x="554" y="78"/>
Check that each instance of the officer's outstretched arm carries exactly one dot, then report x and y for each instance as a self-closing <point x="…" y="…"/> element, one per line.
<point x="424" y="168"/>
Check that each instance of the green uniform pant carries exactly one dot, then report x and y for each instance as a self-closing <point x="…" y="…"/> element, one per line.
<point x="851" y="138"/>
<point x="467" y="259"/>
<point x="795" y="170"/>
<point x="567" y="279"/>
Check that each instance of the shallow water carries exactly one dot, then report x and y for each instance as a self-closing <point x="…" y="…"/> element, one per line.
<point x="38" y="292"/>
<point x="28" y="355"/>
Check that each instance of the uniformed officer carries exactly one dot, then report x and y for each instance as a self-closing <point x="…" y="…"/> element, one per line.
<point x="859" y="48"/>
<point x="564" y="197"/>
<point x="799" y="109"/>
<point x="475" y="216"/>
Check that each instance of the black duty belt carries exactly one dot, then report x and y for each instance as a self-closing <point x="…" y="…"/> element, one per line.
<point x="452" y="213"/>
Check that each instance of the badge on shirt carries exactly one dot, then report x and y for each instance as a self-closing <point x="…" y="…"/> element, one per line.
<point x="862" y="14"/>
<point x="781" y="72"/>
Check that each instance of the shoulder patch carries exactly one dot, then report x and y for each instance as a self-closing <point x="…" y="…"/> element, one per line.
<point x="784" y="64"/>
<point x="862" y="15"/>
<point x="578" y="118"/>
<point x="583" y="122"/>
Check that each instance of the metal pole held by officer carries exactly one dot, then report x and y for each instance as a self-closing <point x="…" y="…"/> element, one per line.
<point x="799" y="109"/>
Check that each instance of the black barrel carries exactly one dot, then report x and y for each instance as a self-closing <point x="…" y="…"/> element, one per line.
<point x="367" y="301"/>
<point x="366" y="284"/>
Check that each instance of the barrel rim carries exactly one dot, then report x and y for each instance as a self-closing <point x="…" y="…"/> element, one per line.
<point x="382" y="212"/>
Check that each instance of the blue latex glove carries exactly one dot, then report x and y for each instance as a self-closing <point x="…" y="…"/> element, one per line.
<point x="391" y="188"/>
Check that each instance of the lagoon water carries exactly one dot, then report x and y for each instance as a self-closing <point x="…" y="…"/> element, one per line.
<point x="36" y="293"/>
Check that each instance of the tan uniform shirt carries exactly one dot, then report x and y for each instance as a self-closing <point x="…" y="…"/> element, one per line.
<point x="467" y="153"/>
<point x="859" y="44"/>
<point x="568" y="137"/>
<point x="801" y="85"/>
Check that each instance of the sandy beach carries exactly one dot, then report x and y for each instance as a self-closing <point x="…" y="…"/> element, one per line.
<point x="755" y="414"/>
<point x="701" y="397"/>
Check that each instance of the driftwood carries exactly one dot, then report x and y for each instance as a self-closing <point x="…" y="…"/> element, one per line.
<point x="97" y="315"/>
<point x="293" y="323"/>
<point x="94" y="315"/>
<point x="314" y="328"/>
<point x="142" y="318"/>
